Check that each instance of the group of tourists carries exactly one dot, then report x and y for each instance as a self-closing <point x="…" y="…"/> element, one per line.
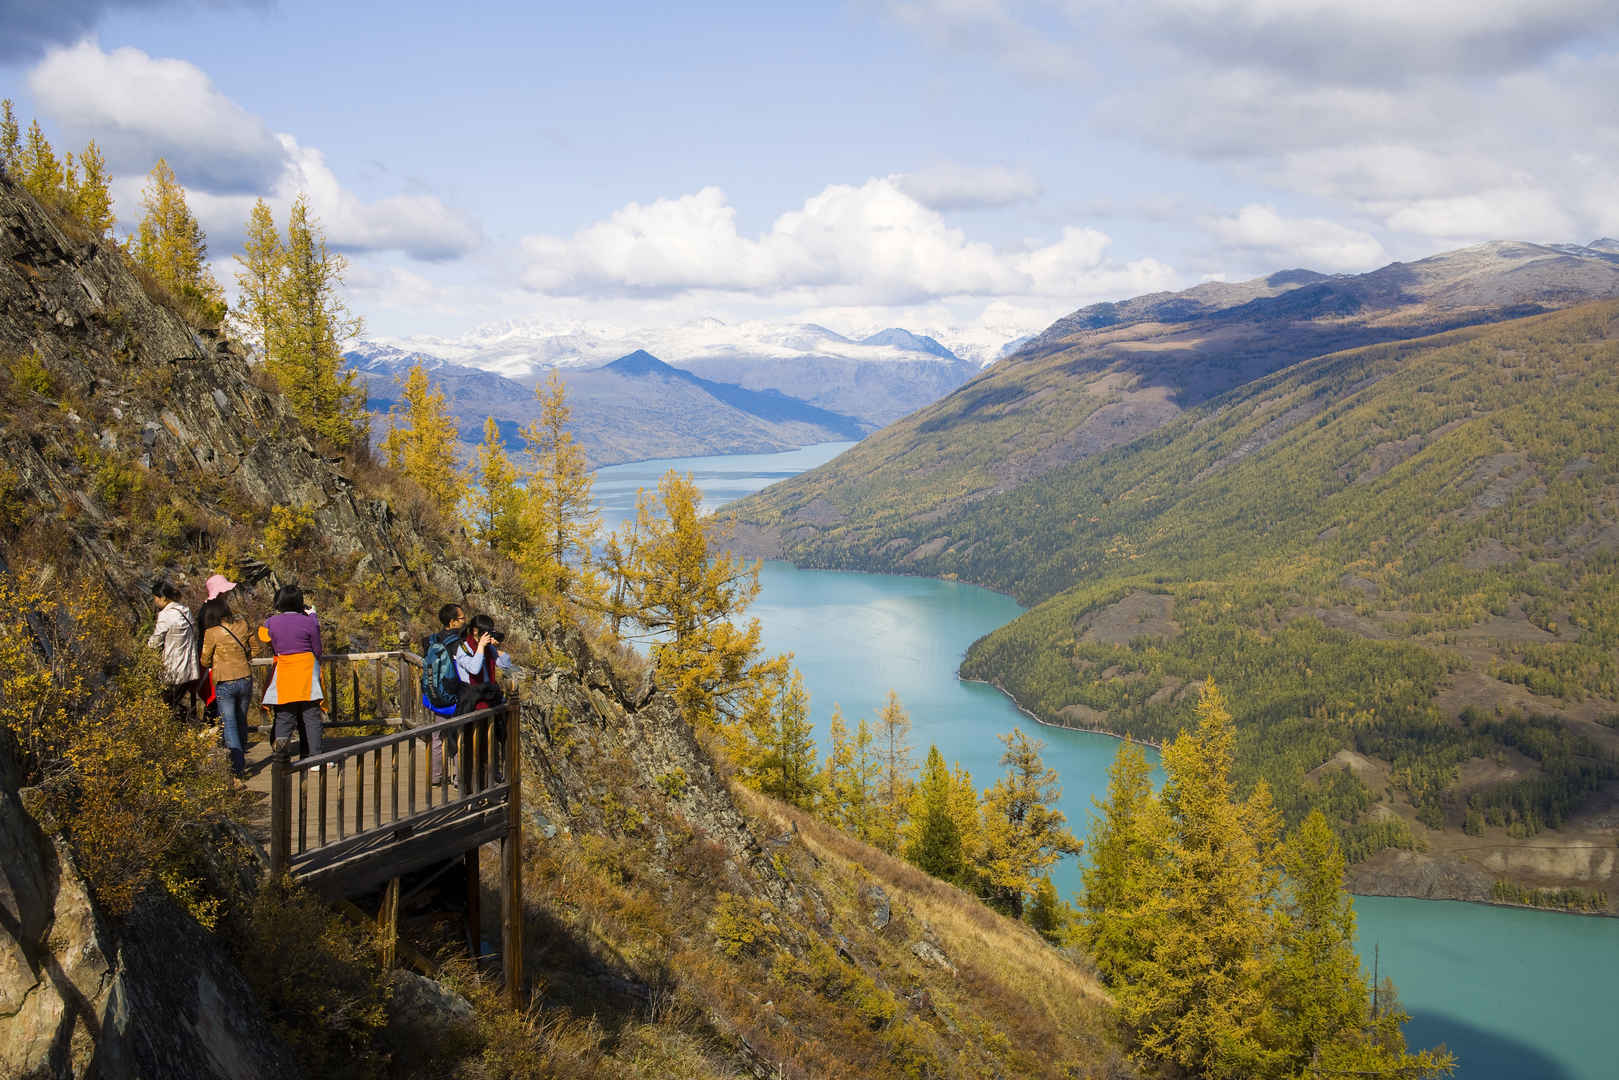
<point x="208" y="658"/>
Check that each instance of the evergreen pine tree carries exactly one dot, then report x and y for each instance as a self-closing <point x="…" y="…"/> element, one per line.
<point x="305" y="335"/>
<point x="261" y="265"/>
<point x="560" y="521"/>
<point x="932" y="841"/>
<point x="91" y="200"/>
<point x="894" y="753"/>
<point x="495" y="501"/>
<point x="421" y="440"/>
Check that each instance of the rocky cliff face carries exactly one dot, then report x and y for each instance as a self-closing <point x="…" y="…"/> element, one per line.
<point x="136" y="425"/>
<point x="160" y="999"/>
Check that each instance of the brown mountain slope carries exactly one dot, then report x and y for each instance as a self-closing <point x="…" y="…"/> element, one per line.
<point x="1110" y="373"/>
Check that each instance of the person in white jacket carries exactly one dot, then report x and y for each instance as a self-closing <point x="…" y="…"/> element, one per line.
<point x="175" y="639"/>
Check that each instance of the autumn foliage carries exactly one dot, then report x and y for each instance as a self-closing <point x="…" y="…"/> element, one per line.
<point x="127" y="781"/>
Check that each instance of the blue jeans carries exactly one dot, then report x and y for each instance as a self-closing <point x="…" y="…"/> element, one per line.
<point x="233" y="698"/>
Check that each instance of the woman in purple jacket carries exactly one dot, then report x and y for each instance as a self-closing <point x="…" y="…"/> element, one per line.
<point x="294" y="691"/>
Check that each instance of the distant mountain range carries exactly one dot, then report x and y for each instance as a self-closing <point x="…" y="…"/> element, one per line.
<point x="633" y="408"/>
<point x="876" y="379"/>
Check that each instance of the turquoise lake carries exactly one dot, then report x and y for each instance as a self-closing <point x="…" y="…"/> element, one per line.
<point x="1515" y="994"/>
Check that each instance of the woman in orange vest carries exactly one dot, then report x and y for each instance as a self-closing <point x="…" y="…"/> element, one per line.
<point x="294" y="691"/>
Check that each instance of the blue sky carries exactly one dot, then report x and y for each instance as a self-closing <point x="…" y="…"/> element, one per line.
<point x="967" y="164"/>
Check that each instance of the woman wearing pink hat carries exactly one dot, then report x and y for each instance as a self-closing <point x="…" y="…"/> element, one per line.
<point x="227" y="650"/>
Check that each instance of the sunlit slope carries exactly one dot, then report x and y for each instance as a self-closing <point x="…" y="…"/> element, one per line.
<point x="1110" y="374"/>
<point x="1400" y="552"/>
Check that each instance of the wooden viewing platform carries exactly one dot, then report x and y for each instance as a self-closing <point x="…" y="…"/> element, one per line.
<point x="375" y="806"/>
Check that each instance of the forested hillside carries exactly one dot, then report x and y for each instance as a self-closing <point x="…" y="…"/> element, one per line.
<point x="1399" y="560"/>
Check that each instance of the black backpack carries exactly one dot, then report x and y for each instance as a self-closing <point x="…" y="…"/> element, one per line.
<point x="440" y="680"/>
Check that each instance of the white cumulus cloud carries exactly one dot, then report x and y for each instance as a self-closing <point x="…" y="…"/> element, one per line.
<point x="1495" y="214"/>
<point x="139" y="108"/>
<point x="869" y="244"/>
<point x="1315" y="243"/>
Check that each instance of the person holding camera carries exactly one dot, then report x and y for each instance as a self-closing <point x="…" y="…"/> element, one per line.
<point x="475" y="663"/>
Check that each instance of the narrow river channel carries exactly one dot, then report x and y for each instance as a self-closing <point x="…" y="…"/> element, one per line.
<point x="1515" y="994"/>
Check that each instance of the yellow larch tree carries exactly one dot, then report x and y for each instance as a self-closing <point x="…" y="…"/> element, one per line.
<point x="309" y="325"/>
<point x="894" y="757"/>
<point x="260" y="266"/>
<point x="41" y="173"/>
<point x="785" y="766"/>
<point x="1124" y="871"/>
<point x="851" y="777"/>
<point x="689" y="602"/>
<point x="560" y="521"/>
<point x="494" y="500"/>
<point x="91" y="198"/>
<point x="10" y="141"/>
<point x="620" y="563"/>
<point x="1024" y="832"/>
<point x="421" y="441"/>
<point x="969" y="819"/>
<point x="170" y="245"/>
<point x="1198" y="997"/>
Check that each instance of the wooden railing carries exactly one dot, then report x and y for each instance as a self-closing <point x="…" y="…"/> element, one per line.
<point x="361" y="816"/>
<point x="361" y="800"/>
<point x="363" y="688"/>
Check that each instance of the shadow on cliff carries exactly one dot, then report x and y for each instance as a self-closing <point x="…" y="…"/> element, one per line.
<point x="1482" y="1054"/>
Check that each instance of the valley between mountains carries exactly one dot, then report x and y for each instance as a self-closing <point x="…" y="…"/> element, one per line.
<point x="1381" y="511"/>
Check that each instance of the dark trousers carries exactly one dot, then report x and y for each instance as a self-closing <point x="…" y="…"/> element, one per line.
<point x="181" y="698"/>
<point x="305" y="717"/>
<point x="476" y="696"/>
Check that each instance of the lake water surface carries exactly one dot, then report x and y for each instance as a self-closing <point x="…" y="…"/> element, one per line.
<point x="1517" y="995"/>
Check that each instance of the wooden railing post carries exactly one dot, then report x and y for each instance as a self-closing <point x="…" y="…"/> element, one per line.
<point x="280" y="809"/>
<point x="407" y="694"/>
<point x="511" y="859"/>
